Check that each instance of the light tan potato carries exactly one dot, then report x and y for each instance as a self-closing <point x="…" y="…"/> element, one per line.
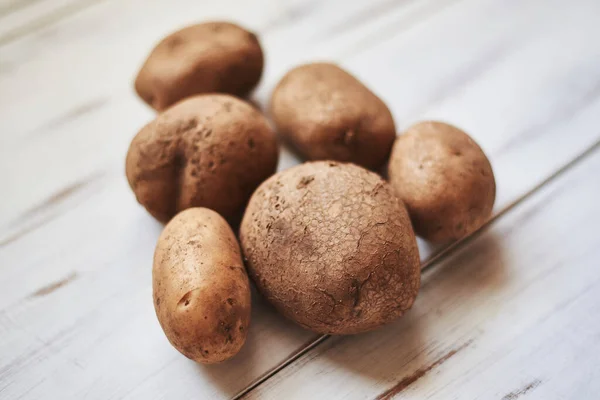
<point x="445" y="180"/>
<point x="327" y="114"/>
<point x="206" y="151"/>
<point x="213" y="57"/>
<point x="331" y="247"/>
<point x="200" y="287"/>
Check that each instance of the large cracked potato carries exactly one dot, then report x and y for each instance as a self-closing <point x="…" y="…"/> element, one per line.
<point x="213" y="57"/>
<point x="331" y="247"/>
<point x="445" y="180"/>
<point x="327" y="114"/>
<point x="206" y="151"/>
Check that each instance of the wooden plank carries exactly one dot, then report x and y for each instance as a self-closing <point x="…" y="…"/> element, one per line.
<point x="73" y="337"/>
<point x="105" y="134"/>
<point x="510" y="315"/>
<point x="9" y="7"/>
<point x="96" y="114"/>
<point x="93" y="243"/>
<point x="27" y="16"/>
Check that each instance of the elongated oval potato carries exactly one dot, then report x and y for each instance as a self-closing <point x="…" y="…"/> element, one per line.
<point x="445" y="180"/>
<point x="327" y="114"/>
<point x="213" y="57"/>
<point x="200" y="286"/>
<point x="209" y="151"/>
<point x="331" y="247"/>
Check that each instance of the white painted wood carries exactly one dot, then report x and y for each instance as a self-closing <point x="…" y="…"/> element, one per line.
<point x="10" y="7"/>
<point x="20" y="18"/>
<point x="69" y="216"/>
<point x="78" y="60"/>
<point x="30" y="354"/>
<point x="512" y="314"/>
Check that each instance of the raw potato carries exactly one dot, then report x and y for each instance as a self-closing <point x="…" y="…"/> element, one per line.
<point x="331" y="246"/>
<point x="445" y="180"/>
<point x="206" y="151"/>
<point x="327" y="114"/>
<point x="200" y="287"/>
<point x="214" y="57"/>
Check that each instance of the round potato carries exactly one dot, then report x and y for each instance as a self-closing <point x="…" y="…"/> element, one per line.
<point x="445" y="180"/>
<point x="331" y="247"/>
<point x="200" y="287"/>
<point x="206" y="151"/>
<point x="213" y="57"/>
<point x="327" y="114"/>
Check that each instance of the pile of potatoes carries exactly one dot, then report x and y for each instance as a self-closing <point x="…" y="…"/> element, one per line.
<point x="329" y="243"/>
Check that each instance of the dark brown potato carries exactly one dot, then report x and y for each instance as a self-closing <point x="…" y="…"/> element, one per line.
<point x="200" y="287"/>
<point x="445" y="180"/>
<point x="331" y="247"/>
<point x="326" y="113"/>
<point x="213" y="57"/>
<point x="206" y="151"/>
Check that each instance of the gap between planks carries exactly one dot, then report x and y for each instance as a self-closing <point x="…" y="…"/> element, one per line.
<point x="433" y="260"/>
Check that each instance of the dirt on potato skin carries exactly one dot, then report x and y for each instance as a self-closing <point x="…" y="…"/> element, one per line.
<point x="331" y="247"/>
<point x="325" y="113"/>
<point x="212" y="57"/>
<point x="200" y="288"/>
<point x="445" y="180"/>
<point x="206" y="151"/>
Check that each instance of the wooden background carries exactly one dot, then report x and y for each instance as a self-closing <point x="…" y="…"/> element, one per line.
<point x="511" y="312"/>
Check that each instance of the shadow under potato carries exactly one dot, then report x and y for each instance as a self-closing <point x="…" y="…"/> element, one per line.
<point x="269" y="332"/>
<point x="253" y="101"/>
<point x="394" y="357"/>
<point x="476" y="265"/>
<point x="407" y="350"/>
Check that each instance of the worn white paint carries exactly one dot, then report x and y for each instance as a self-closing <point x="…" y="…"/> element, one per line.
<point x="523" y="77"/>
<point x="18" y="18"/>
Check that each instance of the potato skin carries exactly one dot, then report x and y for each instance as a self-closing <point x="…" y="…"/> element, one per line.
<point x="331" y="247"/>
<point x="200" y="287"/>
<point x="445" y="180"/>
<point x="327" y="114"/>
<point x="206" y="151"/>
<point x="213" y="57"/>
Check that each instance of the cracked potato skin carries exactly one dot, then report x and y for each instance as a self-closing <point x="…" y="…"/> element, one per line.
<point x="327" y="114"/>
<point x="445" y="180"/>
<point x="206" y="151"/>
<point x="331" y="247"/>
<point x="213" y="57"/>
<point x="200" y="288"/>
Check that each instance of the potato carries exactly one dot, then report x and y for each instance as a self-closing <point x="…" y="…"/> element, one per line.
<point x="327" y="114"/>
<point x="445" y="180"/>
<point x="200" y="287"/>
<point x="206" y="151"/>
<point x="331" y="247"/>
<point x="213" y="57"/>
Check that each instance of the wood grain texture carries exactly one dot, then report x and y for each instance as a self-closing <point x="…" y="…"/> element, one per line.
<point x="20" y="18"/>
<point x="490" y="67"/>
<point x="511" y="315"/>
<point x="8" y="7"/>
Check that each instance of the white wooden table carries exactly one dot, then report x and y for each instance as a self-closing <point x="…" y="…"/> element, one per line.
<point x="509" y="313"/>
